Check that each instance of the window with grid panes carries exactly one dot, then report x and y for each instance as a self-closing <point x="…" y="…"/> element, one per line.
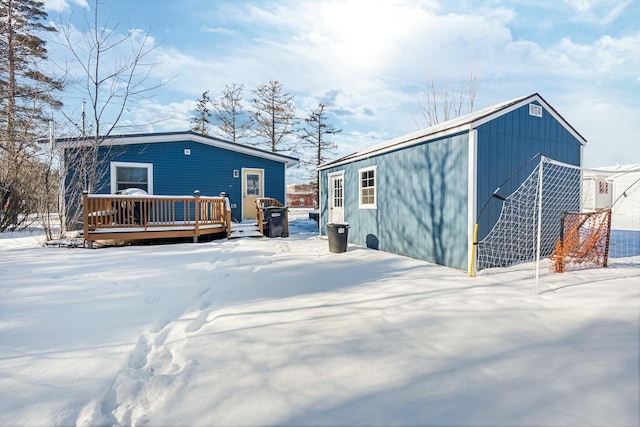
<point x="337" y="193"/>
<point x="367" y="187"/>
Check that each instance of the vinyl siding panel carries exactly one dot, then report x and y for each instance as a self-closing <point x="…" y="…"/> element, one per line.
<point x="423" y="189"/>
<point x="505" y="145"/>
<point x="421" y="201"/>
<point x="207" y="169"/>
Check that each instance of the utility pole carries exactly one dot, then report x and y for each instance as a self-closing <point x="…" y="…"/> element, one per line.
<point x="84" y="138"/>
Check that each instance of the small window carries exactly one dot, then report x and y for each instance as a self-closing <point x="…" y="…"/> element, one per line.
<point x="338" y="191"/>
<point x="253" y="184"/>
<point x="131" y="175"/>
<point x="368" y="197"/>
<point x="603" y="187"/>
<point x="535" y="110"/>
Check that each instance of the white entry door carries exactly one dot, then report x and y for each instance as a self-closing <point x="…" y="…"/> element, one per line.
<point x="336" y="197"/>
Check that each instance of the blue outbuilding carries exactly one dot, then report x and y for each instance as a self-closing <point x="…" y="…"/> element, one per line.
<point x="419" y="195"/>
<point x="178" y="163"/>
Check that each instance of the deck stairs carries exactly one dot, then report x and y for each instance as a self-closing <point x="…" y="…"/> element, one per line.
<point x="244" y="229"/>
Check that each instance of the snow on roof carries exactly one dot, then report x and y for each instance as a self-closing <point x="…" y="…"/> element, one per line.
<point x="458" y="124"/>
<point x="612" y="170"/>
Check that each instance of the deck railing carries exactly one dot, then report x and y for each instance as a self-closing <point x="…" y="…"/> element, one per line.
<point x="110" y="216"/>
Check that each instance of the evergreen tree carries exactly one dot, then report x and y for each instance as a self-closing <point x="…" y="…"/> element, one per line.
<point x="201" y="120"/>
<point x="273" y="115"/>
<point x="26" y="92"/>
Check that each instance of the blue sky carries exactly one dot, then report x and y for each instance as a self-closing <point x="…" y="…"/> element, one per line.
<point x="370" y="61"/>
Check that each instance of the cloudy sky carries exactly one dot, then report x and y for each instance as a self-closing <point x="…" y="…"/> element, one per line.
<point x="371" y="62"/>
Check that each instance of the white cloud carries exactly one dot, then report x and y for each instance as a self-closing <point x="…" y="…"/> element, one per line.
<point x="219" y="30"/>
<point x="63" y="5"/>
<point x="582" y="5"/>
<point x="370" y="62"/>
<point x="149" y="115"/>
<point x="379" y="57"/>
<point x="372" y="55"/>
<point x="598" y="11"/>
<point x="600" y="119"/>
<point x="608" y="57"/>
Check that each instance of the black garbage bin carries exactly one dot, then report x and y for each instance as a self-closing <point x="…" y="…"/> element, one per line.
<point x="338" y="233"/>
<point x="276" y="217"/>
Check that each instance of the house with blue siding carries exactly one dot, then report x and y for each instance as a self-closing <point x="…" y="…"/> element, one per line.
<point x="179" y="163"/>
<point x="419" y="195"/>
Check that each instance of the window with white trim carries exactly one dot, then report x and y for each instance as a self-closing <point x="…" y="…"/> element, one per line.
<point x="131" y="175"/>
<point x="367" y="188"/>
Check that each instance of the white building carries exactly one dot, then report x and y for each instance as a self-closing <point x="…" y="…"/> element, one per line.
<point x="617" y="187"/>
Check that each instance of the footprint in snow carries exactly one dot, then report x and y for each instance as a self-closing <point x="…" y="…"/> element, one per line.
<point x="198" y="322"/>
<point x="138" y="358"/>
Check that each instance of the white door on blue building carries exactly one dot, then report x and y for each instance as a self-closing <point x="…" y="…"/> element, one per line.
<point x="336" y="197"/>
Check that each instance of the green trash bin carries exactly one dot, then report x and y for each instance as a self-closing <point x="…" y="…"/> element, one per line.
<point x="338" y="233"/>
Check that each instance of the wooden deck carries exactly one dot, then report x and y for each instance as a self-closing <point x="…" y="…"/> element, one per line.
<point x="125" y="218"/>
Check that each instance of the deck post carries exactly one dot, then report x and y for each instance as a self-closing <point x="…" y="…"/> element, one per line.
<point x="226" y="212"/>
<point x="196" y="207"/>
<point x="85" y="217"/>
<point x="227" y="217"/>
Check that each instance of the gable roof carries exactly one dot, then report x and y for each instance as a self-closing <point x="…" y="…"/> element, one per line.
<point x="151" y="138"/>
<point x="459" y="124"/>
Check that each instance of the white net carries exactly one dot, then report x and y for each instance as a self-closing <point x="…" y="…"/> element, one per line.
<point x="529" y="224"/>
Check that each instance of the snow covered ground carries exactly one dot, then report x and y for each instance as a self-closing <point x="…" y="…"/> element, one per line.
<point x="261" y="331"/>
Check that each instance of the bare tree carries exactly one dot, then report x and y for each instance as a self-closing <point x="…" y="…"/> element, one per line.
<point x="50" y="202"/>
<point x="26" y="93"/>
<point x="201" y="119"/>
<point x="229" y="114"/>
<point x="315" y="135"/>
<point x="274" y="117"/>
<point x="113" y="73"/>
<point x="447" y="102"/>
